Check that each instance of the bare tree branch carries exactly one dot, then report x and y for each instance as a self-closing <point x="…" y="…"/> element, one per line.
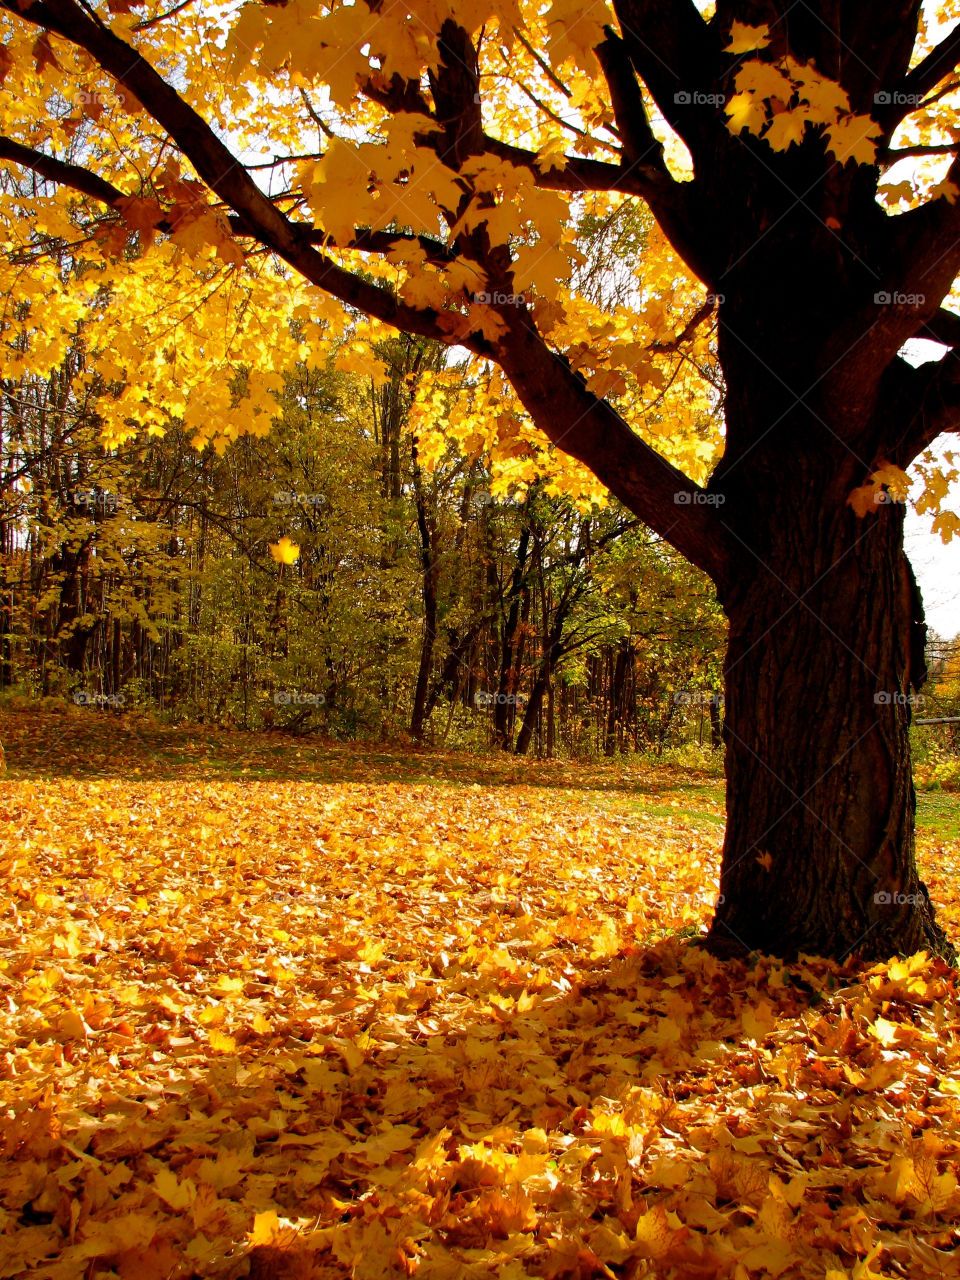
<point x="944" y="327"/>
<point x="922" y="80"/>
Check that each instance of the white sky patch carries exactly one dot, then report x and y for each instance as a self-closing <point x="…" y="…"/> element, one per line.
<point x="936" y="563"/>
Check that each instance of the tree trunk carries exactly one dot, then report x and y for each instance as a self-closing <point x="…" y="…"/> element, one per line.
<point x="507" y="683"/>
<point x="615" y="700"/>
<point x="429" y="579"/>
<point x="716" y="722"/>
<point x="825" y="647"/>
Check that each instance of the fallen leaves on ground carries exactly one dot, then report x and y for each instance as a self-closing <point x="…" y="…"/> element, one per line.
<point x="305" y="1029"/>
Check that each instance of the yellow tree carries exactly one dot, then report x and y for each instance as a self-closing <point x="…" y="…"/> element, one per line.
<point x="424" y="164"/>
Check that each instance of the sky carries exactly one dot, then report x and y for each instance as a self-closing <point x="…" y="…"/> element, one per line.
<point x="936" y="564"/>
<point x="937" y="567"/>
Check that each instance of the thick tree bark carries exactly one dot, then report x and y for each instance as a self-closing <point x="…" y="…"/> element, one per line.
<point x="820" y="675"/>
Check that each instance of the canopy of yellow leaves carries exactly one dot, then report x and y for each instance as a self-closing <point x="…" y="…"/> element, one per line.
<point x="351" y="1019"/>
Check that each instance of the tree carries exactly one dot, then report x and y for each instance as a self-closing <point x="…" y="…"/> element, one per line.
<point x="440" y="205"/>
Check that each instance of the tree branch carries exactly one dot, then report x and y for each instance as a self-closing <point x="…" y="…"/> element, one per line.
<point x="87" y="183"/>
<point x="583" y="425"/>
<point x="256" y="215"/>
<point x="922" y="80"/>
<point x="888" y="157"/>
<point x="934" y="393"/>
<point x="675" y="53"/>
<point x="672" y="204"/>
<point x="688" y="330"/>
<point x="944" y="327"/>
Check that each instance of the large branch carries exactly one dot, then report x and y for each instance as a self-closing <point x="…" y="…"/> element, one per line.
<point x="675" y="55"/>
<point x="673" y="205"/>
<point x="914" y="87"/>
<point x="256" y="215"/>
<point x="944" y="327"/>
<point x="933" y="394"/>
<point x="922" y="248"/>
<point x="82" y="180"/>
<point x="581" y="424"/>
<point x="557" y="398"/>
<point x="648" y="179"/>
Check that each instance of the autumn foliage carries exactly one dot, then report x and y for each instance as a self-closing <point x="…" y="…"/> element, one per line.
<point x="288" y="1011"/>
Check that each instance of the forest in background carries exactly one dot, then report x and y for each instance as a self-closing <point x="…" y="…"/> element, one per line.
<point x="323" y="577"/>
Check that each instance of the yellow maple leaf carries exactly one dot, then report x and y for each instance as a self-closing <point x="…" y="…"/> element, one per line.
<point x="854" y="138"/>
<point x="747" y="39"/>
<point x="285" y="551"/>
<point x="221" y="1042"/>
<point x="745" y="111"/>
<point x="177" y="1194"/>
<point x="885" y="1032"/>
<point x="265" y="1230"/>
<point x="785" y="129"/>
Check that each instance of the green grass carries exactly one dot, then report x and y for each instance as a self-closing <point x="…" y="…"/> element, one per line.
<point x="938" y="815"/>
<point x="87" y="743"/>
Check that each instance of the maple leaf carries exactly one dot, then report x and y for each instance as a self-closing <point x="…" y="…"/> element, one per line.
<point x="944" y="190"/>
<point x="854" y="138"/>
<point x="888" y="483"/>
<point x="745" y="111"/>
<point x="44" y="54"/>
<point x="785" y="130"/>
<point x="285" y="551"/>
<point x="747" y="39"/>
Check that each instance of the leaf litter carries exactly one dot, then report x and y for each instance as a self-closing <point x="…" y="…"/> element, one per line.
<point x="301" y="1029"/>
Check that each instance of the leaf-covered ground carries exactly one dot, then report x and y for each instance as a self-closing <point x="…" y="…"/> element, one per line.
<point x="294" y="1011"/>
